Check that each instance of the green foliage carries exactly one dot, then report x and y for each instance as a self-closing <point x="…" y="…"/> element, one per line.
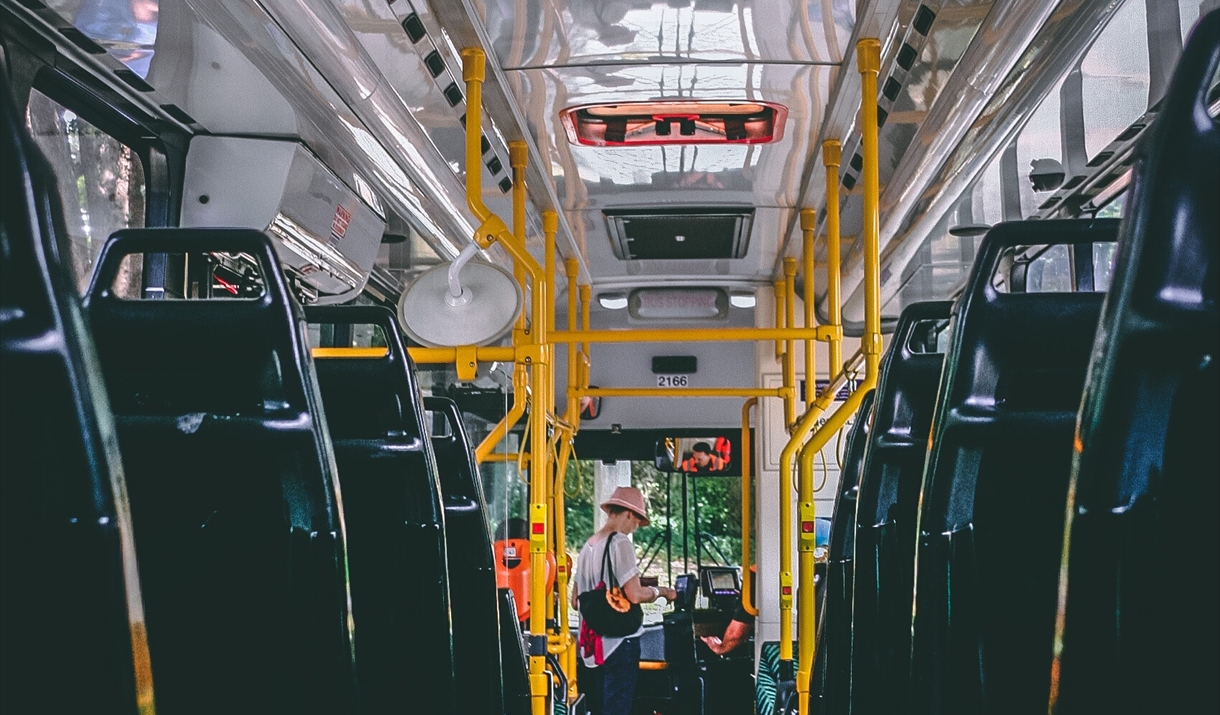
<point x="719" y="514"/>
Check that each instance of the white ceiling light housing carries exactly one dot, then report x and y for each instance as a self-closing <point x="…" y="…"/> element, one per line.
<point x="742" y="299"/>
<point x="612" y="301"/>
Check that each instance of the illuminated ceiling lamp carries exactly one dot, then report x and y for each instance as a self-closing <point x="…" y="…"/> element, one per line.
<point x="674" y="122"/>
<point x="612" y="301"/>
<point x="460" y="303"/>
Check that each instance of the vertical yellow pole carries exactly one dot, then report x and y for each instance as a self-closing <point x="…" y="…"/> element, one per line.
<point x="809" y="220"/>
<point x="831" y="156"/>
<point x="789" y="344"/>
<point x="785" y="482"/>
<point x="747" y="453"/>
<point x="518" y="155"/>
<point x="572" y="417"/>
<point x="804" y="611"/>
<point x="540" y="476"/>
<point x="571" y="413"/>
<point x="585" y="298"/>
<point x="869" y="61"/>
<point x="778" y="288"/>
<point x="868" y="56"/>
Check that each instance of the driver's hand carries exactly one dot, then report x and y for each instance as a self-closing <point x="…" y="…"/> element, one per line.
<point x="714" y="643"/>
<point x="670" y="594"/>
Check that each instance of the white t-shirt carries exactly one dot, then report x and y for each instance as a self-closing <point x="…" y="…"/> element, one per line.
<point x="589" y="574"/>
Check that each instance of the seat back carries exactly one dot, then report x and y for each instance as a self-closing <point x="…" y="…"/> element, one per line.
<point x="1140" y="586"/>
<point x="995" y="486"/>
<point x="887" y="501"/>
<point x="829" y="680"/>
<point x="472" y="569"/>
<point x="72" y="635"/>
<point x="393" y="514"/>
<point x="232" y="486"/>
<point x="513" y="655"/>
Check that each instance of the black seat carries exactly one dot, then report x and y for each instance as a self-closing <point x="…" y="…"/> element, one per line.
<point x="395" y="525"/>
<point x="887" y="502"/>
<point x="472" y="568"/>
<point x="995" y="487"/>
<point x="232" y="487"/>
<point x="513" y="655"/>
<point x="72" y="635"/>
<point x="828" y="689"/>
<point x="1140" y="622"/>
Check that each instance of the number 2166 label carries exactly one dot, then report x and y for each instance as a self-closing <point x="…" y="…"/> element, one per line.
<point x="673" y="380"/>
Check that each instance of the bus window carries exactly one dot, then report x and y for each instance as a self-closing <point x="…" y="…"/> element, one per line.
<point x="101" y="182"/>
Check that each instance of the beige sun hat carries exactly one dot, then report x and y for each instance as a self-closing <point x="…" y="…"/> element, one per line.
<point x="629" y="498"/>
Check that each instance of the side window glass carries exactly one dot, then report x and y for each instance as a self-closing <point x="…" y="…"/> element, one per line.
<point x="1050" y="272"/>
<point x="1103" y="265"/>
<point x="101" y="183"/>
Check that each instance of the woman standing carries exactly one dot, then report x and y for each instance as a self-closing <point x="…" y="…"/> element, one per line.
<point x="609" y="666"/>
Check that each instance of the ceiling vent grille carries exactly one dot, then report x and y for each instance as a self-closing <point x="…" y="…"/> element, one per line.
<point x="679" y="233"/>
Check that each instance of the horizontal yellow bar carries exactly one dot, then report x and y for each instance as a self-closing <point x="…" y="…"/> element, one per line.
<point x="653" y="665"/>
<point x="688" y="335"/>
<point x="683" y="392"/>
<point x="443" y="355"/>
<point x="350" y="352"/>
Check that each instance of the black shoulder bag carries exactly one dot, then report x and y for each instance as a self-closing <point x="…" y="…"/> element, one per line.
<point x="606" y="609"/>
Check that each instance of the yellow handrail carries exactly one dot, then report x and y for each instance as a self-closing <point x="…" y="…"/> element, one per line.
<point x="778" y="288"/>
<point x="488" y="445"/>
<point x="868" y="56"/>
<point x="693" y="335"/>
<point x="349" y="352"/>
<point x="831" y="156"/>
<point x="491" y="229"/>
<point x="785" y="481"/>
<point x="809" y="219"/>
<point x="687" y="391"/>
<point x="747" y="578"/>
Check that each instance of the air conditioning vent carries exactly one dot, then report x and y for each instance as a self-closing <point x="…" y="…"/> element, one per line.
<point x="679" y="233"/>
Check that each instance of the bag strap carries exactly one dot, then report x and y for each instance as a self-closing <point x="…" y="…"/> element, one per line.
<point x="608" y="565"/>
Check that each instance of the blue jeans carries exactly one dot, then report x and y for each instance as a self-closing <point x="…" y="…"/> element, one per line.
<point x="610" y="688"/>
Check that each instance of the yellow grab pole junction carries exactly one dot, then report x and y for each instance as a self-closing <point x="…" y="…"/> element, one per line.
<point x="868" y="57"/>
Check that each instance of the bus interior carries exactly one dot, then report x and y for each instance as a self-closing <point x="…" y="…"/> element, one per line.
<point x="329" y="327"/>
